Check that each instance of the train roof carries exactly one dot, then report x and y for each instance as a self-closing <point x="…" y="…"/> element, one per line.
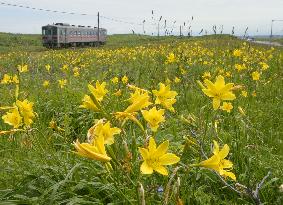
<point x="66" y="25"/>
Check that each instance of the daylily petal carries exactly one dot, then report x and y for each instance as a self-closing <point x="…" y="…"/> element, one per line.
<point x="144" y="152"/>
<point x="168" y="159"/>
<point x="145" y="169"/>
<point x="208" y="92"/>
<point x="162" y="170"/>
<point x="162" y="149"/>
<point x="228" y="96"/>
<point x="227" y="87"/>
<point x="226" y="164"/>
<point x="216" y="103"/>
<point x="228" y="174"/>
<point x="151" y="145"/>
<point x="220" y="82"/>
<point x="224" y="151"/>
<point x="216" y="147"/>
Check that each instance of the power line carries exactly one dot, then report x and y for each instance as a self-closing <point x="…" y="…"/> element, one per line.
<point x="69" y="13"/>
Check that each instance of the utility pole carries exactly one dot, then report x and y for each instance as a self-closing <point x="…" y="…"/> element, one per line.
<point x="271" y="29"/>
<point x="98" y="28"/>
<point x="158" y="26"/>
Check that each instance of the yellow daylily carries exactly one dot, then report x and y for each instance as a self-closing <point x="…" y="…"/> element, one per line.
<point x="255" y="75"/>
<point x="218" y="162"/>
<point x="237" y="52"/>
<point x="218" y="91"/>
<point x="48" y="67"/>
<point x="99" y="91"/>
<point x="139" y="101"/>
<point x="26" y="111"/>
<point x="165" y="96"/>
<point x="45" y="83"/>
<point x="105" y="130"/>
<point x="125" y="79"/>
<point x="115" y="80"/>
<point x="62" y="83"/>
<point x="170" y="58"/>
<point x="155" y="158"/>
<point x="154" y="117"/>
<point x="89" y="104"/>
<point x="95" y="150"/>
<point x="13" y="118"/>
<point x="23" y="68"/>
<point x="227" y="107"/>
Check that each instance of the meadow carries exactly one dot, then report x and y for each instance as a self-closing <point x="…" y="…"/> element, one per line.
<point x="141" y="120"/>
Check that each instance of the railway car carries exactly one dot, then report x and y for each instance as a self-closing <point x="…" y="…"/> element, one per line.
<point x="66" y="35"/>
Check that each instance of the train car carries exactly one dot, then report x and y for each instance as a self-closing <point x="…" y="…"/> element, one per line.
<point x="66" y="35"/>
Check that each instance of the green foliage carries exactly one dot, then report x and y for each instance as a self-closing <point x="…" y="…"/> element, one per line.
<point x="39" y="166"/>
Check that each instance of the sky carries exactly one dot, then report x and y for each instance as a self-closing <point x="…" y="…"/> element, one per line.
<point x="254" y="14"/>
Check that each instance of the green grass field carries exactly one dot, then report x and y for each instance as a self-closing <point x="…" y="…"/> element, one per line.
<point x="38" y="164"/>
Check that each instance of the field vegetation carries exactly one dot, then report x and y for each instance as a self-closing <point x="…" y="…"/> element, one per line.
<point x="141" y="120"/>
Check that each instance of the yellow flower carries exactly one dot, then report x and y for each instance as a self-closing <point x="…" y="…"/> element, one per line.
<point x="255" y="75"/>
<point x="170" y="58"/>
<point x="118" y="93"/>
<point x="241" y="110"/>
<point x="23" y="68"/>
<point x="206" y="75"/>
<point x="65" y="67"/>
<point x="76" y="72"/>
<point x="237" y="52"/>
<point x="218" y="91"/>
<point x="165" y="96"/>
<point x="115" y="80"/>
<point x="139" y="101"/>
<point x="125" y="79"/>
<point x="264" y="66"/>
<point x="99" y="91"/>
<point x="48" y="67"/>
<point x="228" y="74"/>
<point x="62" y="83"/>
<point x="88" y="103"/>
<point x="95" y="151"/>
<point x="6" y="79"/>
<point x="124" y="116"/>
<point x="227" y="107"/>
<point x="244" y="93"/>
<point x="240" y="67"/>
<point x="154" y="117"/>
<point x="177" y="80"/>
<point x="103" y="129"/>
<point x="45" y="83"/>
<point x="15" y="79"/>
<point x="183" y="71"/>
<point x="155" y="158"/>
<point x="254" y="93"/>
<point x="26" y="111"/>
<point x="13" y="118"/>
<point x="218" y="162"/>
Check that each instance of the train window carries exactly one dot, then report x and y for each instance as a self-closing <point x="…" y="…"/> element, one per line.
<point x="79" y="33"/>
<point x="46" y="32"/>
<point x="70" y="33"/>
<point x="54" y="31"/>
<point x="75" y="33"/>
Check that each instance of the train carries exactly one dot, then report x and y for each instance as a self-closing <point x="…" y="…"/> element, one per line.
<point x="65" y="35"/>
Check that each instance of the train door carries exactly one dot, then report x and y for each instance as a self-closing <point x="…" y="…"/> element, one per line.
<point x="65" y="37"/>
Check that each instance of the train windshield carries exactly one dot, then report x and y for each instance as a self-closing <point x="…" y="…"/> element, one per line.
<point x="49" y="31"/>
